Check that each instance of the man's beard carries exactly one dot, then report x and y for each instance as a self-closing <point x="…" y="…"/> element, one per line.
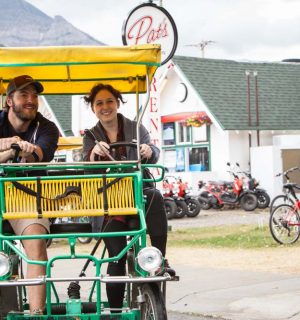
<point x="18" y="110"/>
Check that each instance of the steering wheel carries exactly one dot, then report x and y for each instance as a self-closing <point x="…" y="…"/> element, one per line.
<point x="17" y="149"/>
<point x="120" y="144"/>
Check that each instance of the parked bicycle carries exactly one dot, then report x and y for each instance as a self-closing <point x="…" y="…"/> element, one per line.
<point x="288" y="196"/>
<point x="284" y="221"/>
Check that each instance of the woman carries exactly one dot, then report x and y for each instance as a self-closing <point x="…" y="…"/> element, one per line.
<point x="114" y="127"/>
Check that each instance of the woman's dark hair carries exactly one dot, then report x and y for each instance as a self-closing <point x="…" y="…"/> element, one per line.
<point x="98" y="87"/>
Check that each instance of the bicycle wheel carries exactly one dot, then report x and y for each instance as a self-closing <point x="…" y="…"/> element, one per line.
<point x="285" y="224"/>
<point x="281" y="199"/>
<point x="153" y="307"/>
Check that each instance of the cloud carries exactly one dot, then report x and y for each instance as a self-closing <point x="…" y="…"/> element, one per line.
<point x="256" y="29"/>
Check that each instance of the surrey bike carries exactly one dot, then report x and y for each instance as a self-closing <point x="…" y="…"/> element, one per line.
<point x="81" y="189"/>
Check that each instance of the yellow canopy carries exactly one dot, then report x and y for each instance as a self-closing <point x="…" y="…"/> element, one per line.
<point x="69" y="143"/>
<point x="74" y="70"/>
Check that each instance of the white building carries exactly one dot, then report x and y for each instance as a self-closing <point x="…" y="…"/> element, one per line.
<point x="255" y="113"/>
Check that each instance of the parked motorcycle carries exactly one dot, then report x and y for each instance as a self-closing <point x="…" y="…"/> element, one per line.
<point x="231" y="193"/>
<point x="192" y="202"/>
<point x="170" y="190"/>
<point x="263" y="199"/>
<point x="83" y="240"/>
<point x="206" y="199"/>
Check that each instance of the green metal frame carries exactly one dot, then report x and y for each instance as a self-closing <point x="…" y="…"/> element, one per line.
<point x="137" y="237"/>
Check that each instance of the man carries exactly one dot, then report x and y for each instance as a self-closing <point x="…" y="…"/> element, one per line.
<point x="22" y="124"/>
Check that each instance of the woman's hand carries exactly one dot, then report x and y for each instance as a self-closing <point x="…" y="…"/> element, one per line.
<point x="146" y="151"/>
<point x="100" y="149"/>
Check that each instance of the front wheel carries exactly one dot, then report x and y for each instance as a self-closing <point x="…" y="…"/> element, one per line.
<point x="153" y="305"/>
<point x="182" y="209"/>
<point x="204" y="200"/>
<point x="263" y="199"/>
<point x="171" y="209"/>
<point x="284" y="224"/>
<point x="193" y="208"/>
<point x="248" y="202"/>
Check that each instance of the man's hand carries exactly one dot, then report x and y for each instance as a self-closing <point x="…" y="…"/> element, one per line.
<point x="5" y="143"/>
<point x="27" y="148"/>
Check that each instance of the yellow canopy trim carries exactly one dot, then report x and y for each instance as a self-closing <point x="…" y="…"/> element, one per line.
<point x="69" y="143"/>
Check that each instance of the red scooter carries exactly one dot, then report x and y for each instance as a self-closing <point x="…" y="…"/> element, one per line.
<point x="192" y="203"/>
<point x="218" y="194"/>
<point x="170" y="191"/>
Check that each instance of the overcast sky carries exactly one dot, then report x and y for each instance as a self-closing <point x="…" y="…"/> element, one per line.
<point x="257" y="30"/>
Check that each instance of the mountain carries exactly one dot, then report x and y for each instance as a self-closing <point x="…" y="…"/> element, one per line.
<point x="23" y="25"/>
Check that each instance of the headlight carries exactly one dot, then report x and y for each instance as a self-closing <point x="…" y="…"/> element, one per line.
<point x="5" y="266"/>
<point x="149" y="259"/>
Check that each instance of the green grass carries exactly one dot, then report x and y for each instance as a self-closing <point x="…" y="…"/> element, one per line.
<point x="236" y="236"/>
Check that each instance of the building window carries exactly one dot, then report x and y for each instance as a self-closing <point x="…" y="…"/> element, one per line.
<point x="180" y="159"/>
<point x="198" y="159"/>
<point x="174" y="159"/>
<point x="170" y="160"/>
<point x="199" y="134"/>
<point x="183" y="133"/>
<point x="168" y="133"/>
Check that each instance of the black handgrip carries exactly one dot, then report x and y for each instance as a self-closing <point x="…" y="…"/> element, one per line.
<point x="17" y="149"/>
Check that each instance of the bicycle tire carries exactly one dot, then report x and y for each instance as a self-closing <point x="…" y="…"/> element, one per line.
<point x="281" y="199"/>
<point x="280" y="224"/>
<point x="153" y="306"/>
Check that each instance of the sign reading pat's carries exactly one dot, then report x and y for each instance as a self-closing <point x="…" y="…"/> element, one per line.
<point x="151" y="24"/>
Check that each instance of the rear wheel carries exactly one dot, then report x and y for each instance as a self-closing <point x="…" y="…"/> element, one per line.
<point x="182" y="209"/>
<point x="193" y="208"/>
<point x="171" y="209"/>
<point x="263" y="199"/>
<point x="153" y="306"/>
<point x="248" y="202"/>
<point x="285" y="224"/>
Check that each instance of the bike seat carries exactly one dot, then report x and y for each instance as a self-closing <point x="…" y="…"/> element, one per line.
<point x="70" y="227"/>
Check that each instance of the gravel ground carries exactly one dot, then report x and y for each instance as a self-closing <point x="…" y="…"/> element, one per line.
<point x="211" y="217"/>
